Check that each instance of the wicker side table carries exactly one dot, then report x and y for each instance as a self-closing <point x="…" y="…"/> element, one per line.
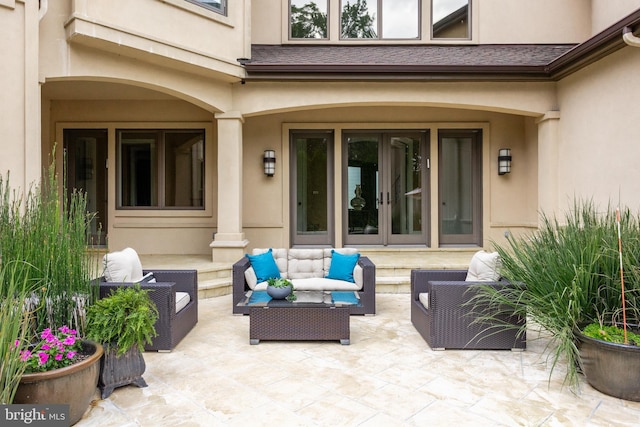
<point x="321" y="322"/>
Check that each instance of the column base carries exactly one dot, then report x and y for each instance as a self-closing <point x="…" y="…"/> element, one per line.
<point x="228" y="251"/>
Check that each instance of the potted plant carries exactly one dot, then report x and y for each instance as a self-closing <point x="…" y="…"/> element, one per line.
<point x="571" y="270"/>
<point x="279" y="288"/>
<point x="123" y="322"/>
<point x="46" y="273"/>
<point x="61" y="368"/>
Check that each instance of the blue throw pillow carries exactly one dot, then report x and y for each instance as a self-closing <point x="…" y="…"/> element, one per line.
<point x="342" y="266"/>
<point x="264" y="266"/>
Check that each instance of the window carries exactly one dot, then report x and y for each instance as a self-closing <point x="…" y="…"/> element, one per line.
<point x="450" y="19"/>
<point x="219" y="6"/>
<point x="161" y="168"/>
<point x="379" y="19"/>
<point x="308" y="19"/>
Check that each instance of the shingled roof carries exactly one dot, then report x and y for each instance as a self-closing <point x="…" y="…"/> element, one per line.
<point x="431" y="62"/>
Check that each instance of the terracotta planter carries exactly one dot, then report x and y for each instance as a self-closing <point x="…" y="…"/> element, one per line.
<point x="118" y="371"/>
<point x="73" y="385"/>
<point x="613" y="369"/>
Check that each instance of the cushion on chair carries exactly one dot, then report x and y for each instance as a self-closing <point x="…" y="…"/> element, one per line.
<point x="484" y="267"/>
<point x="305" y="263"/>
<point x="122" y="266"/>
<point x="264" y="266"/>
<point x="424" y="299"/>
<point x="182" y="299"/>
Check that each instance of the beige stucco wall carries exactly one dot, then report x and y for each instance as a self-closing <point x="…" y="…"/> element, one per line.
<point x="599" y="132"/>
<point x="493" y="21"/>
<point x="511" y="202"/>
<point x="20" y="135"/>
<point x="606" y="12"/>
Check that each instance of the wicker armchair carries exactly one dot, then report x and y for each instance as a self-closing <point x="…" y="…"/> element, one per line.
<point x="448" y="323"/>
<point x="171" y="327"/>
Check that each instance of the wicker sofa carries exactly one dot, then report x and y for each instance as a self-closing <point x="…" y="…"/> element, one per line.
<point x="440" y="313"/>
<point x="175" y="293"/>
<point x="307" y="269"/>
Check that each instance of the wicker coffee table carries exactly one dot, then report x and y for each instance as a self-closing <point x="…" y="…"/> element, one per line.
<point x="314" y="316"/>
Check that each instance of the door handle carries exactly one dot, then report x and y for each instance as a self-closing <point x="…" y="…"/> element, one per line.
<point x="381" y="199"/>
<point x="388" y="199"/>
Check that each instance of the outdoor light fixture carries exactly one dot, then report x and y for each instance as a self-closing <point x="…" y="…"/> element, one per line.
<point x="504" y="161"/>
<point x="269" y="162"/>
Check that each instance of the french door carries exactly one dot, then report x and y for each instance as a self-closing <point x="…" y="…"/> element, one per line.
<point x="385" y="184"/>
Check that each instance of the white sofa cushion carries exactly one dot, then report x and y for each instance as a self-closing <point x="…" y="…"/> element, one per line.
<point x="122" y="266"/>
<point x="484" y="267"/>
<point x="182" y="299"/>
<point x="251" y="278"/>
<point x="305" y="263"/>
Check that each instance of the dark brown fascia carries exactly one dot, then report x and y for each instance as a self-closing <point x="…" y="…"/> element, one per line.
<point x="588" y="52"/>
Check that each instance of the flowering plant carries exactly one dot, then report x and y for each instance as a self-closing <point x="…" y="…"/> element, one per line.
<point x="55" y="350"/>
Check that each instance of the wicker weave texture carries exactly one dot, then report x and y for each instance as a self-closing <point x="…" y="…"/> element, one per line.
<point x="299" y="323"/>
<point x="450" y="322"/>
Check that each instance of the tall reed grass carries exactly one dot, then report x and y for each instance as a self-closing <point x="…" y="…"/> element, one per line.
<point x="14" y="326"/>
<point x="48" y="232"/>
<point x="571" y="271"/>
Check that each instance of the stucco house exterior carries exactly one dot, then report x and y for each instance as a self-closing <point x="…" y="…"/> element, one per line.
<point x="386" y="131"/>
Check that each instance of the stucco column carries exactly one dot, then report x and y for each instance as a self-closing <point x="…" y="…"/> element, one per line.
<point x="229" y="241"/>
<point x="548" y="148"/>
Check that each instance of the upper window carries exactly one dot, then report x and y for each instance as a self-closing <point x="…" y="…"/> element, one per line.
<point x="379" y="19"/>
<point x="308" y="19"/>
<point x="161" y="168"/>
<point x="219" y="6"/>
<point x="450" y="19"/>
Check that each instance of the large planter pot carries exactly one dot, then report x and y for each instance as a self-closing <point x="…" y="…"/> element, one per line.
<point x="613" y="369"/>
<point x="73" y="385"/>
<point x="118" y="371"/>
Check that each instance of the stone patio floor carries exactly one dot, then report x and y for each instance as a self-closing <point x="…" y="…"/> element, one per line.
<point x="388" y="376"/>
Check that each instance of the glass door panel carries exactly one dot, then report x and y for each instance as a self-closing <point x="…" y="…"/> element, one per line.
<point x="363" y="189"/>
<point x="311" y="187"/>
<point x="85" y="169"/>
<point x="460" y="187"/>
<point x="405" y="186"/>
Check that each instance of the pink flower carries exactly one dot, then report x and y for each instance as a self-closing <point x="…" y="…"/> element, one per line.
<point x="58" y="357"/>
<point x="43" y="357"/>
<point x="16" y="343"/>
<point x="71" y="355"/>
<point x="46" y="346"/>
<point x="70" y="340"/>
<point x="26" y="354"/>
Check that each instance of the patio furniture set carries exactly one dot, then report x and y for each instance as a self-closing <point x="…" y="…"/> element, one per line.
<point x="330" y="285"/>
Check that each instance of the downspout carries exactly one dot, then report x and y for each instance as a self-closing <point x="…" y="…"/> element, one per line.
<point x="629" y="38"/>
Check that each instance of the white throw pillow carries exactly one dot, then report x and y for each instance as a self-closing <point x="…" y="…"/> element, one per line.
<point x="484" y="267"/>
<point x="122" y="266"/>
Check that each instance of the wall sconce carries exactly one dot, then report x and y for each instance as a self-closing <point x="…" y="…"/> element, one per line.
<point x="504" y="161"/>
<point x="269" y="162"/>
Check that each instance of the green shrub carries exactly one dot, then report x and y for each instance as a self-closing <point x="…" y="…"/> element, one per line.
<point x="125" y="318"/>
<point x="571" y="272"/>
